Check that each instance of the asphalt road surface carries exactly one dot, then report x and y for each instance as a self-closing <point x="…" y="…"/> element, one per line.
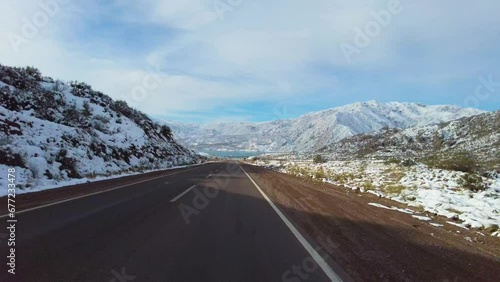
<point x="205" y="223"/>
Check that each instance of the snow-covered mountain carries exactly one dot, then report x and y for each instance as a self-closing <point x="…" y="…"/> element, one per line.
<point x="478" y="135"/>
<point x="53" y="132"/>
<point x="316" y="130"/>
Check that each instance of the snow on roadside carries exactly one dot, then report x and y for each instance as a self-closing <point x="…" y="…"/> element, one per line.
<point x="436" y="191"/>
<point x="23" y="176"/>
<point x="423" y="218"/>
<point x="407" y="211"/>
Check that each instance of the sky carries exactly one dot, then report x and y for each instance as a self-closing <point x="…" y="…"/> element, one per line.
<point x="241" y="60"/>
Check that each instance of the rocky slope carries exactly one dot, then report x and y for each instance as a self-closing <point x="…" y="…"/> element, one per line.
<point x="52" y="132"/>
<point x="478" y="136"/>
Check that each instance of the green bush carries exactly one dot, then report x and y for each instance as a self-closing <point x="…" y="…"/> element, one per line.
<point x="319" y="159"/>
<point x="462" y="161"/>
<point x="343" y="177"/>
<point x="394" y="189"/>
<point x="319" y="174"/>
<point x="368" y="186"/>
<point x="472" y="182"/>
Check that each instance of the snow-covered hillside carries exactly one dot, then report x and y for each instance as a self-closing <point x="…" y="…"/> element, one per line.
<point x="53" y="132"/>
<point x="314" y="131"/>
<point x="478" y="135"/>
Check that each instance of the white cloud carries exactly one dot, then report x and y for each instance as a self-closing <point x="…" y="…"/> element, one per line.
<point x="261" y="51"/>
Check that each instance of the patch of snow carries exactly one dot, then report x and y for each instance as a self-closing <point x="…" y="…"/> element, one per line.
<point x="407" y="211"/>
<point x="423" y="218"/>
<point x="456" y="224"/>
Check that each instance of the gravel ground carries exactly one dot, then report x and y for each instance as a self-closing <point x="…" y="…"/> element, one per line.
<point x="377" y="244"/>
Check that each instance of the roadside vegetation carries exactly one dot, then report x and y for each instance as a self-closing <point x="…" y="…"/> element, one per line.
<point x="319" y="159"/>
<point x="461" y="161"/>
<point x="454" y="186"/>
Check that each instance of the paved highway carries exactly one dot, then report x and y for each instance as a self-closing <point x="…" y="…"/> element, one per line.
<point x="205" y="223"/>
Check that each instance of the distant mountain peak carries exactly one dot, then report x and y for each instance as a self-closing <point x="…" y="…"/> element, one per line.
<point x="315" y="130"/>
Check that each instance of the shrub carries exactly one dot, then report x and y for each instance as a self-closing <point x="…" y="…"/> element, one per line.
<point x="80" y="89"/>
<point x="392" y="161"/>
<point x="368" y="186"/>
<point x="319" y="159"/>
<point x="472" y="182"/>
<point x="87" y="110"/>
<point x="101" y="118"/>
<point x="408" y="162"/>
<point x="67" y="164"/>
<point x="319" y="174"/>
<point x="462" y="161"/>
<point x="58" y="86"/>
<point x="394" y="189"/>
<point x="72" y="115"/>
<point x="492" y="229"/>
<point x="34" y="72"/>
<point x="100" y="123"/>
<point x="73" y="140"/>
<point x="7" y="157"/>
<point x="343" y="177"/>
<point x="166" y="131"/>
<point x="48" y="174"/>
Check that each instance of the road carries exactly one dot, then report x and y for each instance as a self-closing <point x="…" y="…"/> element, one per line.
<point x="206" y="223"/>
<point x="226" y="222"/>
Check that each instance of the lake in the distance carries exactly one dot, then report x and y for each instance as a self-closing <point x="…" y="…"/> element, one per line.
<point x="233" y="154"/>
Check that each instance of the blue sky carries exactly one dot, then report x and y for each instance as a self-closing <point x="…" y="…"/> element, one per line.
<point x="219" y="60"/>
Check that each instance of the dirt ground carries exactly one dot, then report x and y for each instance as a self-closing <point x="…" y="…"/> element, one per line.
<point x="376" y="244"/>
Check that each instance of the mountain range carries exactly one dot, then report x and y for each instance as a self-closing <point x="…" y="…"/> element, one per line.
<point x="314" y="131"/>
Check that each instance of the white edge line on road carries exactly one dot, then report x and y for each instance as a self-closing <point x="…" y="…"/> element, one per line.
<point x="314" y="254"/>
<point x="92" y="194"/>
<point x="182" y="194"/>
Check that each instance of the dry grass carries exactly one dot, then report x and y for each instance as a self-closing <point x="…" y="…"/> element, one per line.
<point x="393" y="189"/>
